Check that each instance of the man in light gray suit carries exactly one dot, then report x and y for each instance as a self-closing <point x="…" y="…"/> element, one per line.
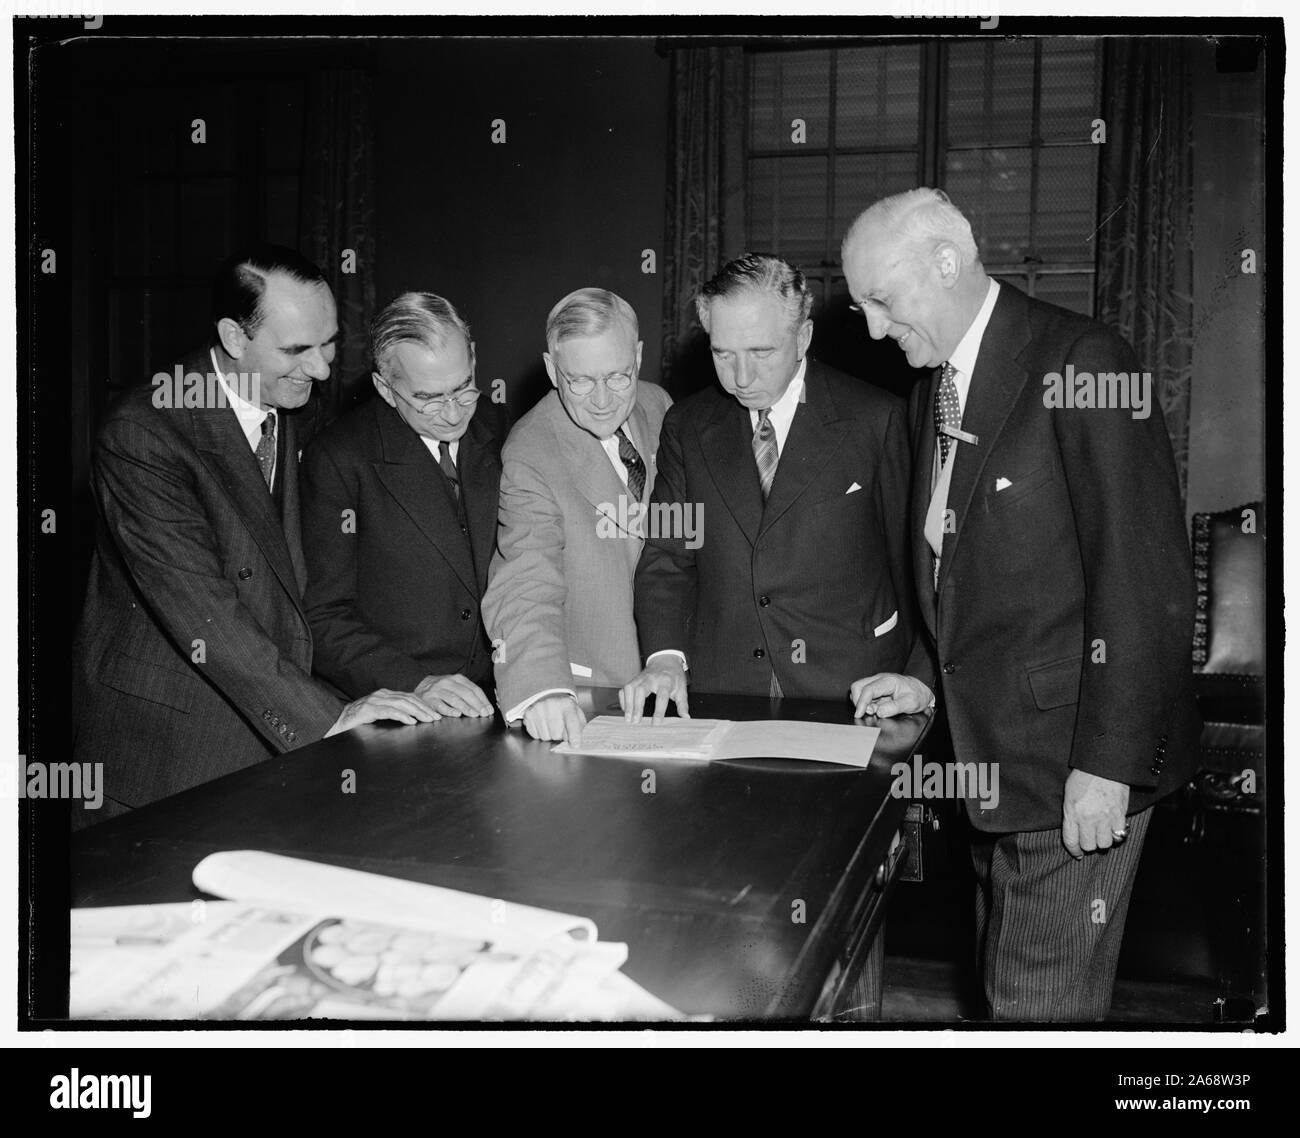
<point x="577" y="472"/>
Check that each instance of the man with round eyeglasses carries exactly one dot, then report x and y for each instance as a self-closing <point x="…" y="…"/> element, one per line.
<point x="578" y="470"/>
<point x="399" y="500"/>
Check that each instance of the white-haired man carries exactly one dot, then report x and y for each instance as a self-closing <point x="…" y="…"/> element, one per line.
<point x="577" y="471"/>
<point x="1055" y="585"/>
<point x="399" y="516"/>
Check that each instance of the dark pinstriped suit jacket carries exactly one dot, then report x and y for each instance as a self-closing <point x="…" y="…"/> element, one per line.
<point x="193" y="657"/>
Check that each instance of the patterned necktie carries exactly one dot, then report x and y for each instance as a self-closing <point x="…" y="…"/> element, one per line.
<point x="947" y="411"/>
<point x="266" y="448"/>
<point x="449" y="469"/>
<point x="629" y="457"/>
<point x="765" y="453"/>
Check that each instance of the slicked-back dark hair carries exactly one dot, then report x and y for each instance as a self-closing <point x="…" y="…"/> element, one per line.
<point x="760" y="273"/>
<point x="240" y="282"/>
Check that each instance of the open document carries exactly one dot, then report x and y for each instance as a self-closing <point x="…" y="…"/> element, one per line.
<point x="712" y="739"/>
<point x="301" y="940"/>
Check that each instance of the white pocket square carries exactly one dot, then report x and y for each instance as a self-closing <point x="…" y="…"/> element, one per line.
<point x="1002" y="484"/>
<point x="881" y="629"/>
<point x="578" y="670"/>
<point x="853" y="489"/>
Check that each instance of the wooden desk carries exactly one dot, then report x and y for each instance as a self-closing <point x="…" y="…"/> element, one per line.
<point x="705" y="879"/>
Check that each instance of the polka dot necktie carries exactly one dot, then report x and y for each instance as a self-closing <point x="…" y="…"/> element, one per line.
<point x="631" y="459"/>
<point x="947" y="410"/>
<point x="765" y="452"/>
<point x="266" y="449"/>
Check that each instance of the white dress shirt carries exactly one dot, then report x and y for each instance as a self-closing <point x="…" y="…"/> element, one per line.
<point x="453" y="449"/>
<point x="250" y="417"/>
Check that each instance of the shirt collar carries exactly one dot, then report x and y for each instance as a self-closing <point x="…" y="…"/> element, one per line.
<point x="967" y="351"/>
<point x="249" y="415"/>
<point x="784" y="407"/>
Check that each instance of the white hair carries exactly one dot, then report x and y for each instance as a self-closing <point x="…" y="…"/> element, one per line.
<point x="919" y="221"/>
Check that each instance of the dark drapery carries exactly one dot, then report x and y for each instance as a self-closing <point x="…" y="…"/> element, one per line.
<point x="337" y="215"/>
<point x="706" y="198"/>
<point x="1144" y="243"/>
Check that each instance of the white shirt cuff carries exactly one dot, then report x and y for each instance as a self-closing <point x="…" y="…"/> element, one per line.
<point x="517" y="712"/>
<point x="669" y="652"/>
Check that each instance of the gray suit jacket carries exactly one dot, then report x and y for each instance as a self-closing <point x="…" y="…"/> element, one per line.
<point x="558" y="607"/>
<point x="194" y="656"/>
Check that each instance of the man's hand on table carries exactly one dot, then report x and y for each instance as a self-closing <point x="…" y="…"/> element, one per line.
<point x="886" y="694"/>
<point x="554" y="718"/>
<point x="663" y="677"/>
<point x="402" y="706"/>
<point x="454" y="696"/>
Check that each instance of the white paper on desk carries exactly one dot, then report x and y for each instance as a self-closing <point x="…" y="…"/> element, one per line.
<point x="672" y="739"/>
<point x="848" y="745"/>
<point x="298" y="885"/>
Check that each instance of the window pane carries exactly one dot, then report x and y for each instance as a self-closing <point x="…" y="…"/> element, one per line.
<point x="1069" y="290"/>
<point x="878" y="96"/>
<point x="1069" y="90"/>
<point x="991" y="187"/>
<point x="1067" y="203"/>
<point x="787" y="208"/>
<point x="785" y="86"/>
<point x="990" y="93"/>
<point x="861" y="179"/>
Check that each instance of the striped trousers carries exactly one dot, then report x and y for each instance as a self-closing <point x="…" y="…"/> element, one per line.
<point x="1047" y="927"/>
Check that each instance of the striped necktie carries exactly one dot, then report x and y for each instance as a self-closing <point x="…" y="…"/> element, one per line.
<point x="448" y="465"/>
<point x="765" y="452"/>
<point x="630" y="458"/>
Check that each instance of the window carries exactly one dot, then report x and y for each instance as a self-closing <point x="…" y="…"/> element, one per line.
<point x="1004" y="126"/>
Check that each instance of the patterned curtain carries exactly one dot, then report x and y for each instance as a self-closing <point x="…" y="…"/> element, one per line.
<point x="1144" y="252"/>
<point x="337" y="215"/>
<point x="706" y="199"/>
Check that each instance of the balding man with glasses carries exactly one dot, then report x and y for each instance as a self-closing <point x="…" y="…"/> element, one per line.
<point x="399" y="518"/>
<point x="578" y="472"/>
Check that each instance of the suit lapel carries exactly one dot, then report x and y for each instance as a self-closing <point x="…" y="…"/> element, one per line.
<point x="292" y="510"/>
<point x="923" y="446"/>
<point x="411" y="475"/>
<point x="593" y="474"/>
<point x="225" y="452"/>
<point x="480" y="480"/>
<point x="816" y="432"/>
<point x="727" y="440"/>
<point x="996" y="384"/>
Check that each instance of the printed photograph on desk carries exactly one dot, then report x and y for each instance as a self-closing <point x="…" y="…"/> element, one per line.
<point x="635" y="523"/>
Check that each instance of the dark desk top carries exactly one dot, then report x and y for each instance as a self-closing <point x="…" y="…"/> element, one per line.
<point x="699" y="878"/>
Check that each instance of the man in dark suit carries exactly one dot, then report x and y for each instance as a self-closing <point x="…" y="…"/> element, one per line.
<point x="193" y="657"/>
<point x="1055" y="584"/>
<point x="399" y="518"/>
<point x="800" y="579"/>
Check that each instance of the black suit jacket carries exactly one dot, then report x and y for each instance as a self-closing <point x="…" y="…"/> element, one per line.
<point x="193" y="656"/>
<point x="1063" y="616"/>
<point x="394" y="587"/>
<point x="816" y="584"/>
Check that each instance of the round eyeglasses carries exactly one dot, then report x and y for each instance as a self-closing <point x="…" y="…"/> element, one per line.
<point x="585" y="385"/>
<point x="439" y="404"/>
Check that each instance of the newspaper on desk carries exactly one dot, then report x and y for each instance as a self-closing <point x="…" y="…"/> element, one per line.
<point x="301" y="940"/>
<point x="848" y="745"/>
